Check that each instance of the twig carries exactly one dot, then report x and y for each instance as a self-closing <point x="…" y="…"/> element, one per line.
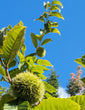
<point x="7" y="72"/>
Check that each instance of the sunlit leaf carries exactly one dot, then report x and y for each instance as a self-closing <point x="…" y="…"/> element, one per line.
<point x="39" y="69"/>
<point x="43" y="77"/>
<point x="79" y="61"/>
<point x="57" y="104"/>
<point x="57" y="3"/>
<point x="54" y="30"/>
<point x="55" y="7"/>
<point x="49" y="88"/>
<point x="46" y="41"/>
<point x="56" y="14"/>
<point x="21" y="57"/>
<point x="12" y="43"/>
<point x="43" y="62"/>
<point x="23" y="49"/>
<point x="79" y="100"/>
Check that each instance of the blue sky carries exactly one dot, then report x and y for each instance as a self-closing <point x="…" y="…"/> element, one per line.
<point x="65" y="48"/>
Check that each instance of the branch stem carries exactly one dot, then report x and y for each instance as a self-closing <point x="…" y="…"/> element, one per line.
<point x="7" y="72"/>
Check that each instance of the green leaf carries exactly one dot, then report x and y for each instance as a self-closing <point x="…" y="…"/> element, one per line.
<point x="24" y="106"/>
<point x="43" y="62"/>
<point x="1" y="51"/>
<point x="20" y="65"/>
<point x="79" y="100"/>
<point x="46" y="41"/>
<point x="55" y="24"/>
<point x="49" y="88"/>
<point x="12" y="64"/>
<point x="12" y="43"/>
<point x="46" y="5"/>
<point x="2" y="33"/>
<point x="83" y="80"/>
<point x="21" y="23"/>
<point x="34" y="39"/>
<point x="39" y="37"/>
<point x="79" y="61"/>
<point x="30" y="64"/>
<point x="10" y="107"/>
<point x="16" y="71"/>
<point x="47" y="95"/>
<point x="10" y="27"/>
<point x="21" y="57"/>
<point x="23" y="49"/>
<point x="45" y="14"/>
<point x="54" y="30"/>
<point x="40" y="75"/>
<point x="2" y="71"/>
<point x="57" y="3"/>
<point x="56" y="14"/>
<point x="57" y="104"/>
<point x="55" y="7"/>
<point x="5" y="98"/>
<point x="15" y="105"/>
<point x="38" y="68"/>
<point x="34" y="58"/>
<point x="40" y="19"/>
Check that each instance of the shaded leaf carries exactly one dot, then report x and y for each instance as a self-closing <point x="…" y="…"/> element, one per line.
<point x="40" y="19"/>
<point x="5" y="98"/>
<point x="1" y="51"/>
<point x="55" y="24"/>
<point x="16" y="71"/>
<point x="12" y="64"/>
<point x="34" y="39"/>
<point x="46" y="41"/>
<point x="39" y="37"/>
<point x="20" y="65"/>
<point x="2" y="71"/>
<point x="83" y="79"/>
